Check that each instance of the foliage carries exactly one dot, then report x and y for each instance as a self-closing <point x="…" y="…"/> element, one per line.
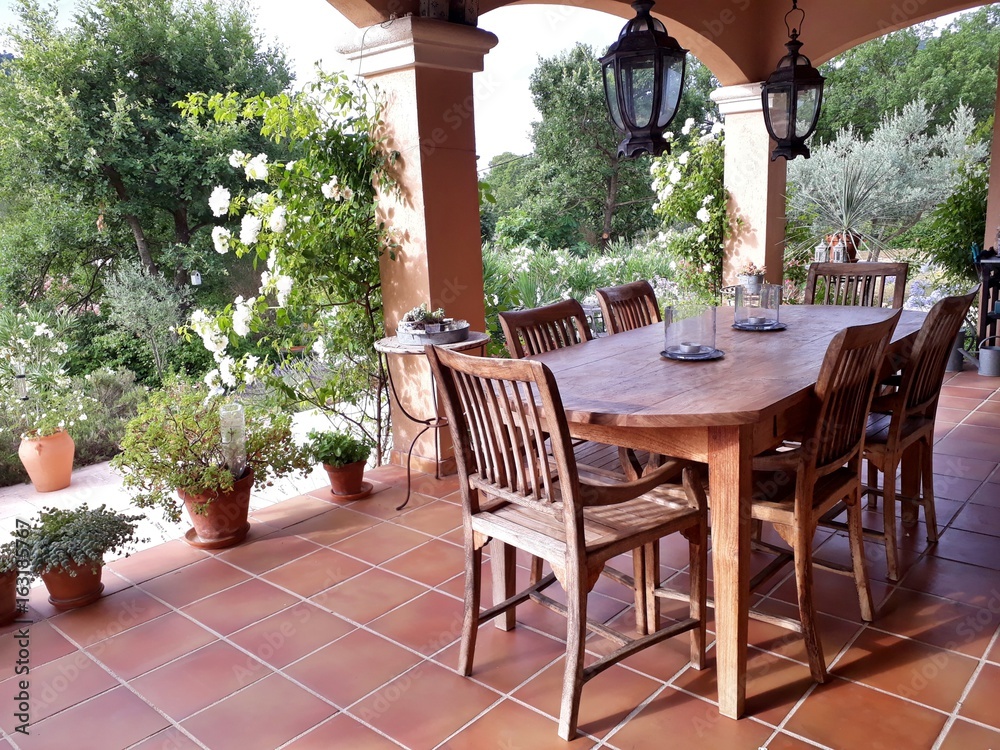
<point x="59" y="538"/>
<point x="956" y="223"/>
<point x="115" y="399"/>
<point x="175" y="443"/>
<point x="88" y="114"/>
<point x="322" y="241"/>
<point x="874" y="190"/>
<point x="692" y="200"/>
<point x="10" y="555"/>
<point x="148" y="307"/>
<point x="34" y="386"/>
<point x="337" y="448"/>
<point x="951" y="67"/>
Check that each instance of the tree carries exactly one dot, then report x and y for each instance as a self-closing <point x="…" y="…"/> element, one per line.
<point x="89" y="115"/>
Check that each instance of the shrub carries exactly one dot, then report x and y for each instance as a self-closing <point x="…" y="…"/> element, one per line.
<point x="337" y="448"/>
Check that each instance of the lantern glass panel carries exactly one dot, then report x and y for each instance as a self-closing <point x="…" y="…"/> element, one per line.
<point x="611" y="94"/>
<point x="637" y="78"/>
<point x="670" y="97"/>
<point x="779" y="104"/>
<point x="806" y="109"/>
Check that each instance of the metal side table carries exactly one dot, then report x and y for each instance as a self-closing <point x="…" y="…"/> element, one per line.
<point x="391" y="345"/>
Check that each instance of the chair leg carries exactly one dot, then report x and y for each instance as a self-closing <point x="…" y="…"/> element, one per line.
<point x="502" y="563"/>
<point x="651" y="580"/>
<point x="927" y="490"/>
<point x="576" y="636"/>
<point x="856" y="535"/>
<point x="639" y="577"/>
<point x="802" y="550"/>
<point x="889" y="520"/>
<point x="470" y="623"/>
<point x="872" y="482"/>
<point x="698" y="572"/>
<point x="536" y="570"/>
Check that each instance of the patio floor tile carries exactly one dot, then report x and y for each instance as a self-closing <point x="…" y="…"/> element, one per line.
<point x="315" y="572"/>
<point x="963" y="735"/>
<point x="431" y="563"/>
<point x="341" y="731"/>
<point x="149" y="563"/>
<point x="369" y="595"/>
<point x="511" y="725"/>
<point x="331" y="527"/>
<point x="936" y="622"/>
<point x="239" y="606"/>
<point x="382" y="542"/>
<point x="268" y="552"/>
<point x="969" y="584"/>
<point x="506" y="659"/>
<point x="129" y="654"/>
<point x="109" y="616"/>
<point x="435" y="519"/>
<point x="262" y="717"/>
<point x="982" y="701"/>
<point x="291" y="634"/>
<point x="426" y="624"/>
<point x="192" y="582"/>
<point x="44" y="643"/>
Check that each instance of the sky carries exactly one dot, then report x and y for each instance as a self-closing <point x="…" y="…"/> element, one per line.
<point x="311" y="31"/>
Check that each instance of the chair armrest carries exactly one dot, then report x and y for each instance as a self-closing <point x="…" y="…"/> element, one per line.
<point x="610" y="492"/>
<point x="780" y="461"/>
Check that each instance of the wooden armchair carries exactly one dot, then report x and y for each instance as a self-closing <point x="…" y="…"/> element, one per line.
<point x="856" y="284"/>
<point x="794" y="489"/>
<point x="543" y="329"/>
<point x="516" y="494"/>
<point x="628" y="306"/>
<point x="904" y="420"/>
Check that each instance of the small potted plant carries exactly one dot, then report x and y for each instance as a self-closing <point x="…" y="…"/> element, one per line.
<point x="751" y="276"/>
<point x="188" y="440"/>
<point x="11" y="562"/>
<point x="343" y="456"/>
<point x="423" y="326"/>
<point x="67" y="549"/>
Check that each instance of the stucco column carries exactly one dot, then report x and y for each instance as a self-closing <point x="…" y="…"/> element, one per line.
<point x="756" y="184"/>
<point x="423" y="68"/>
<point x="993" y="197"/>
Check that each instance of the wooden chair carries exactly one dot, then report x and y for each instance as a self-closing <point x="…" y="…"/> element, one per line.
<point x="856" y="284"/>
<point x="543" y="329"/>
<point x="515" y="494"/>
<point x="903" y="420"/>
<point x="793" y="489"/>
<point x="628" y="306"/>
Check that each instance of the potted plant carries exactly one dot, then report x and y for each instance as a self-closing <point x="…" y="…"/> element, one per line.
<point x="423" y="326"/>
<point x="343" y="456"/>
<point x="35" y="388"/>
<point x="11" y="560"/>
<point x="67" y="548"/>
<point x="751" y="276"/>
<point x="186" y="439"/>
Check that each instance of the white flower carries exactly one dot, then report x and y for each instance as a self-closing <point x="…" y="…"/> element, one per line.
<point x="42" y="329"/>
<point x="673" y="265"/>
<point x="242" y="312"/>
<point x="219" y="200"/>
<point x="82" y="417"/>
<point x="249" y="229"/>
<point x="701" y="237"/>
<point x="675" y="176"/>
<point x="220" y="239"/>
<point x="703" y="215"/>
<point x="688" y="124"/>
<point x="226" y="371"/>
<point x="707" y="267"/>
<point x="284" y="288"/>
<point x="717" y="128"/>
<point x="319" y="348"/>
<point x="667" y="192"/>
<point x="277" y="221"/>
<point x="212" y="378"/>
<point x="237" y="159"/>
<point x="707" y="199"/>
<point x="258" y="199"/>
<point x="251" y="362"/>
<point x="289" y="166"/>
<point x="331" y="189"/>
<point x="272" y="259"/>
<point x="683" y="158"/>
<point x="256" y="168"/>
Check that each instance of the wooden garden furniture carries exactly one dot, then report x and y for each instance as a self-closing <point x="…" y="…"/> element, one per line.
<point x="628" y="306"/>
<point x="861" y="284"/>
<point x="542" y="329"/>
<point x="522" y="489"/>
<point x="902" y="424"/>
<point x="618" y="390"/>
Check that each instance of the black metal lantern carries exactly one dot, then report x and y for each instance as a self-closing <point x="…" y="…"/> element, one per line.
<point x="792" y="96"/>
<point x="643" y="80"/>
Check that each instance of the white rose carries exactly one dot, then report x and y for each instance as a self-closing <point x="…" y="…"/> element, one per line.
<point x="226" y="371"/>
<point x="331" y="189"/>
<point x="683" y="158"/>
<point x="319" y="348"/>
<point x="277" y="221"/>
<point x="256" y="168"/>
<point x="219" y="200"/>
<point x="258" y="199"/>
<point x="675" y="176"/>
<point x="283" y="284"/>
<point x="249" y="229"/>
<point x="703" y="214"/>
<point x="707" y="199"/>
<point x="237" y="159"/>
<point x="688" y="124"/>
<point x="242" y="312"/>
<point x="220" y="239"/>
<point x="701" y="237"/>
<point x="212" y="378"/>
<point x="717" y="128"/>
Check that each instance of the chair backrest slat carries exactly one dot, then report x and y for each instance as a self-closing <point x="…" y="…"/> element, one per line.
<point x="856" y="284"/>
<point x="628" y="306"/>
<point x="543" y="329"/>
<point x="844" y="390"/>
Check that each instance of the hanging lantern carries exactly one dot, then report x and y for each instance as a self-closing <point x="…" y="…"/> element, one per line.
<point x="643" y="80"/>
<point x="792" y="96"/>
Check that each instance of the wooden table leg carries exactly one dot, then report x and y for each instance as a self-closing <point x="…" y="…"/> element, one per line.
<point x="730" y="488"/>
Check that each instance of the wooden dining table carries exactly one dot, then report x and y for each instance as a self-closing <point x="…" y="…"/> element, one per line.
<point x="619" y="390"/>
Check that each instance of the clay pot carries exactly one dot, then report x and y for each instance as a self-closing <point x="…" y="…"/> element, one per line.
<point x="222" y="521"/>
<point x="8" y="596"/>
<point x="347" y="482"/>
<point x="71" y="591"/>
<point x="48" y="460"/>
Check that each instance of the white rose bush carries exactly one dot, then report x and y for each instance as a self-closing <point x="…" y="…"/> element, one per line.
<point x="691" y="201"/>
<point x="310" y="223"/>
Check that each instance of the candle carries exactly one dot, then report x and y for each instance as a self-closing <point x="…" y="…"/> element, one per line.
<point x="758" y="321"/>
<point x="687" y="347"/>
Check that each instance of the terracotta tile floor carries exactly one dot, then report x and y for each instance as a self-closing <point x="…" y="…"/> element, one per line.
<point x="337" y="627"/>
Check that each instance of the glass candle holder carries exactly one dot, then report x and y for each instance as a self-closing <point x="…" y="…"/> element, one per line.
<point x="232" y="424"/>
<point x="821" y="253"/>
<point x="689" y="330"/>
<point x="760" y="310"/>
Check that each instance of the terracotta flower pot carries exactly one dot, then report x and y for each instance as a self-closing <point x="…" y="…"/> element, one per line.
<point x="8" y="596"/>
<point x="347" y="482"/>
<point x="222" y="520"/>
<point x="48" y="460"/>
<point x="71" y="591"/>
